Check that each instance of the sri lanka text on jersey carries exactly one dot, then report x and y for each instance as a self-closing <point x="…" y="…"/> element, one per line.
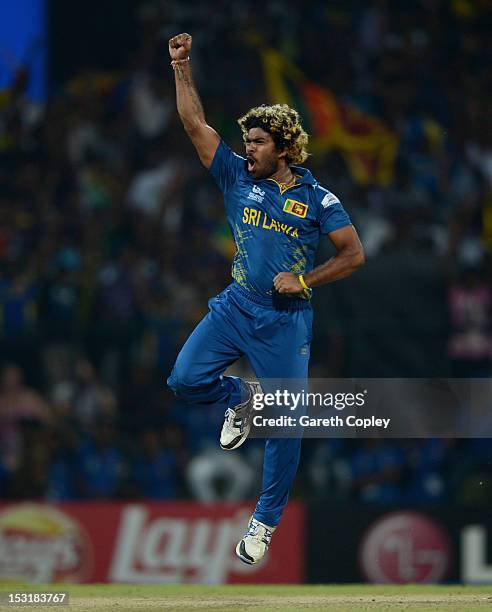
<point x="259" y="218"/>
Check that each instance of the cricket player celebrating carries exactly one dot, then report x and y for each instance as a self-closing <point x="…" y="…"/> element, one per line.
<point x="276" y="211"/>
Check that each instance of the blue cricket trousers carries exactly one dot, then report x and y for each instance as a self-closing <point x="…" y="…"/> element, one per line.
<point x="276" y="340"/>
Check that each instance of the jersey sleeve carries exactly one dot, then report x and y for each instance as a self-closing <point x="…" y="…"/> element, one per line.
<point x="333" y="215"/>
<point x="226" y="167"/>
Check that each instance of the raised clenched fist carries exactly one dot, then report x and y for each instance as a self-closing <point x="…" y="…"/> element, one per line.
<point x="180" y="46"/>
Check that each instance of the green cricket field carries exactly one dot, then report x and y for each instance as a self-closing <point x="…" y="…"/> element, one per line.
<point x="257" y="598"/>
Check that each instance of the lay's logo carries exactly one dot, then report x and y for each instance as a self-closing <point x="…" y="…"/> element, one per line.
<point x="295" y="208"/>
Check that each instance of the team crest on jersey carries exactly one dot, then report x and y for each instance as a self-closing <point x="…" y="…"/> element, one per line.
<point x="256" y="194"/>
<point x="295" y="208"/>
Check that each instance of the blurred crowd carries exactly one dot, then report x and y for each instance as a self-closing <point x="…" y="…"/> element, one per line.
<point x="112" y="238"/>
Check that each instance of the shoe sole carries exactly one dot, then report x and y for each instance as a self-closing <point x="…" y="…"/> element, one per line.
<point x="243" y="559"/>
<point x="233" y="445"/>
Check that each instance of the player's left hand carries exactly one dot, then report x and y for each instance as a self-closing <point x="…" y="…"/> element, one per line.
<point x="287" y="283"/>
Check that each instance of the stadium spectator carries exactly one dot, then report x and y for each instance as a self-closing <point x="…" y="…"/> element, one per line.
<point x="377" y="472"/>
<point x="84" y="399"/>
<point x="100" y="465"/>
<point x="18" y="404"/>
<point x="156" y="468"/>
<point x="470" y="341"/>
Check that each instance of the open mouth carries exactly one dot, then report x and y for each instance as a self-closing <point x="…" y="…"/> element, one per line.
<point x="251" y="163"/>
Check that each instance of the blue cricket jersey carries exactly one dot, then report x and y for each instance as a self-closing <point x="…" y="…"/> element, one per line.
<point x="274" y="231"/>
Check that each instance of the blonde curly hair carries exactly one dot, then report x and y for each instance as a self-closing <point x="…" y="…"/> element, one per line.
<point x="283" y="124"/>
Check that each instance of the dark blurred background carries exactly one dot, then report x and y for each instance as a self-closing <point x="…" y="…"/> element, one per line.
<point x="113" y="237"/>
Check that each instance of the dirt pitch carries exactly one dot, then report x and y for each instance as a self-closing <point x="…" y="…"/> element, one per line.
<point x="267" y="598"/>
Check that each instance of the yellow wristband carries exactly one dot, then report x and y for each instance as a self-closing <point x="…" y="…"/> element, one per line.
<point x="303" y="282"/>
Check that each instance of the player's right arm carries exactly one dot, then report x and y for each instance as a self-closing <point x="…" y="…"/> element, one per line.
<point x="204" y="138"/>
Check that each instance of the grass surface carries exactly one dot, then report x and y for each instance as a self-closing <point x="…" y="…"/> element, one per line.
<point x="258" y="598"/>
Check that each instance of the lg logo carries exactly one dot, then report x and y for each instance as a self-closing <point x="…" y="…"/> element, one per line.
<point x="405" y="547"/>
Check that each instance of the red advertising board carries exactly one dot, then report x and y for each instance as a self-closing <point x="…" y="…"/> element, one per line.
<point x="142" y="543"/>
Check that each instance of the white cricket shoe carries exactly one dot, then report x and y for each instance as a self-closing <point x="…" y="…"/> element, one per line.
<point x="237" y="420"/>
<point x="255" y="543"/>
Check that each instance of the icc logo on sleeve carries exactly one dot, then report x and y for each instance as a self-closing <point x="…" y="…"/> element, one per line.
<point x="329" y="199"/>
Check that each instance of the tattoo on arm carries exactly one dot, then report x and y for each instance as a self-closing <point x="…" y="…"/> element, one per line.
<point x="188" y="100"/>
